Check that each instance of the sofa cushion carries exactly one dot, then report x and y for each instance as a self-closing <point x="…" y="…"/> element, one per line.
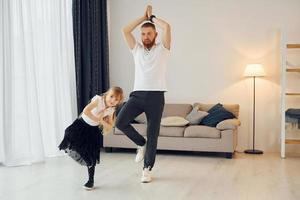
<point x="174" y="121"/>
<point x="233" y="108"/>
<point x="228" y="124"/>
<point x="180" y="110"/>
<point x="199" y="131"/>
<point x="164" y="131"/>
<point x="216" y="114"/>
<point x="195" y="116"/>
<point x="171" y="131"/>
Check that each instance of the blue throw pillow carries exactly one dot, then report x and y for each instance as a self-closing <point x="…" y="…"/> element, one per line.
<point x="216" y="114"/>
<point x="215" y="107"/>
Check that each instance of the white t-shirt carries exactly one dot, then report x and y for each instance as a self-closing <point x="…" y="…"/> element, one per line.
<point x="100" y="107"/>
<point x="150" y="67"/>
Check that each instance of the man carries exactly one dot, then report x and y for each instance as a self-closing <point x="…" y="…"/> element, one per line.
<point x="149" y="86"/>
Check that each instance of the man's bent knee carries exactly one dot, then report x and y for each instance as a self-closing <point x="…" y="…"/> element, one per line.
<point x="120" y="123"/>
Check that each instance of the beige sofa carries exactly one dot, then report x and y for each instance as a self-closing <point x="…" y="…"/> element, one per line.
<point x="223" y="138"/>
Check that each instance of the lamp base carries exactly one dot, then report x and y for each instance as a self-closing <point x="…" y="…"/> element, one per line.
<point x="253" y="151"/>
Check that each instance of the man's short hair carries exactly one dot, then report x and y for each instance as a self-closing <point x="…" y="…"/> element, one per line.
<point x="148" y="24"/>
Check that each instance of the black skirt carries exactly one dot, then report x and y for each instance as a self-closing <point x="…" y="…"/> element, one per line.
<point x="82" y="142"/>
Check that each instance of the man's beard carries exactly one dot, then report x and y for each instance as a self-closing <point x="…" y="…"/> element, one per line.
<point x="150" y="44"/>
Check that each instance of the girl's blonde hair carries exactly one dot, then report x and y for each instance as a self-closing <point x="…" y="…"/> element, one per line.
<point x="118" y="92"/>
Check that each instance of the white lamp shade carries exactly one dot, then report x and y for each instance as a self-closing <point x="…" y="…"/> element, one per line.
<point x="254" y="70"/>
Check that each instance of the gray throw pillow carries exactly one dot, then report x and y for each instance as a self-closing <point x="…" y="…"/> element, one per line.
<point x="195" y="116"/>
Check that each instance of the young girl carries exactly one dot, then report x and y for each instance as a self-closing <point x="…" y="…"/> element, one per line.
<point x="82" y="138"/>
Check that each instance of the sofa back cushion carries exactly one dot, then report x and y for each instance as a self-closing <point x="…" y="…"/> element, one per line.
<point x="181" y="110"/>
<point x="234" y="108"/>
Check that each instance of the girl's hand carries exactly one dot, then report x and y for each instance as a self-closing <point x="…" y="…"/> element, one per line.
<point x="106" y="119"/>
<point x="100" y="116"/>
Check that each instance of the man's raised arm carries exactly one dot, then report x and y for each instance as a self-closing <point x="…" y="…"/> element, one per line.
<point x="166" y="38"/>
<point x="127" y="30"/>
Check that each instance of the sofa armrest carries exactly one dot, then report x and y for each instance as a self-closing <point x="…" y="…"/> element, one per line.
<point x="228" y="124"/>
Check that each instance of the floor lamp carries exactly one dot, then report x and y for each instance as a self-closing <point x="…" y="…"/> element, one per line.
<point x="254" y="70"/>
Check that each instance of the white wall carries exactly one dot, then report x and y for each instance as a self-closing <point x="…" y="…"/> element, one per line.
<point x="212" y="41"/>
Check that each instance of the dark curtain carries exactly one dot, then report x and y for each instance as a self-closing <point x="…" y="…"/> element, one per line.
<point x="91" y="49"/>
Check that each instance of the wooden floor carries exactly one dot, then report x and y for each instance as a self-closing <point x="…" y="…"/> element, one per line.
<point x="176" y="176"/>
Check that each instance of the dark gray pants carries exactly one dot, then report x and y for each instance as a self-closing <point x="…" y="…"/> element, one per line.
<point x="152" y="103"/>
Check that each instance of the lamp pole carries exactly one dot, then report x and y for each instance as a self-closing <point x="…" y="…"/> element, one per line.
<point x="253" y="150"/>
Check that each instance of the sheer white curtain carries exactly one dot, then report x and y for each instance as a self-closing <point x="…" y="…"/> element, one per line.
<point x="37" y="78"/>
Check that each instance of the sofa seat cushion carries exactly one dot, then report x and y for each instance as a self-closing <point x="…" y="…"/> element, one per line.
<point x="200" y="131"/>
<point x="171" y="131"/>
<point x="164" y="131"/>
